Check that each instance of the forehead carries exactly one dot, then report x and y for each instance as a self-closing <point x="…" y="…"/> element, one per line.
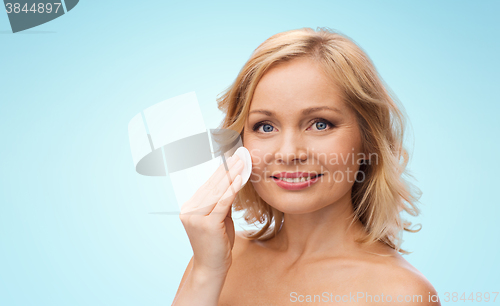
<point x="295" y="85"/>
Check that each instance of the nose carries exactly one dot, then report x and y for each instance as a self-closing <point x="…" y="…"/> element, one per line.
<point x="290" y="150"/>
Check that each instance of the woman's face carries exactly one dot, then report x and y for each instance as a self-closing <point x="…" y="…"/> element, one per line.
<point x="298" y="123"/>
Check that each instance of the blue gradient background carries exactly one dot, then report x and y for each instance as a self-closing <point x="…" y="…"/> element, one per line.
<point x="75" y="222"/>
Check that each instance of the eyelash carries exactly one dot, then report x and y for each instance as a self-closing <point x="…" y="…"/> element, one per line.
<point x="259" y="124"/>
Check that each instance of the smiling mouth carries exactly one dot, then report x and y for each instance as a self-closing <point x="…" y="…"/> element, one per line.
<point x="297" y="179"/>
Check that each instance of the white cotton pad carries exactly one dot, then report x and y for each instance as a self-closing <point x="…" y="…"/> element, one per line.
<point x="244" y="155"/>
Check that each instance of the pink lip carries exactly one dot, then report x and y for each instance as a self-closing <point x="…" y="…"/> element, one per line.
<point x="295" y="186"/>
<point x="295" y="174"/>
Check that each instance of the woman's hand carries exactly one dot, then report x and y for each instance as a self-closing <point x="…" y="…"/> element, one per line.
<point x="207" y="219"/>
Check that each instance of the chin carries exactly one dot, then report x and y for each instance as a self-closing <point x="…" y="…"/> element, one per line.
<point x="296" y="209"/>
<point x="294" y="204"/>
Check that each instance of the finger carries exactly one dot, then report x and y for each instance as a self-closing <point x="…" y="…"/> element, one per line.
<point x="219" y="174"/>
<point x="191" y="209"/>
<point x="224" y="204"/>
<point x="210" y="192"/>
<point x="218" y="191"/>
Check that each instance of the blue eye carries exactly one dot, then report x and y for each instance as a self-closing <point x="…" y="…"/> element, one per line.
<point x="321" y="124"/>
<point x="268" y="127"/>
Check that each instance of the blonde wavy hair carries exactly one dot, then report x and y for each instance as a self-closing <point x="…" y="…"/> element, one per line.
<point x="384" y="193"/>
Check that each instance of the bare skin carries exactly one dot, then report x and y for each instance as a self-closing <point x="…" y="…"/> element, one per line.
<point x="261" y="276"/>
<point x="315" y="251"/>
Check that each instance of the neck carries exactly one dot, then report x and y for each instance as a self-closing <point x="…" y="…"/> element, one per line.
<point x="325" y="231"/>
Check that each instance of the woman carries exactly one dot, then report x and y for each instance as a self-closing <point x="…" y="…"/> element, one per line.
<point x="326" y="141"/>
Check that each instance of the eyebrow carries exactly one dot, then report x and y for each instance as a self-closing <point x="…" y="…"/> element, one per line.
<point x="306" y="111"/>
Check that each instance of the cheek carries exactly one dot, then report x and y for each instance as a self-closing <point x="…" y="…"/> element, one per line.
<point x="339" y="158"/>
<point x="257" y="148"/>
<point x="262" y="166"/>
<point x="257" y="153"/>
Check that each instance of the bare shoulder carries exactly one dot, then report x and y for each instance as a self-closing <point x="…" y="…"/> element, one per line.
<point x="399" y="279"/>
